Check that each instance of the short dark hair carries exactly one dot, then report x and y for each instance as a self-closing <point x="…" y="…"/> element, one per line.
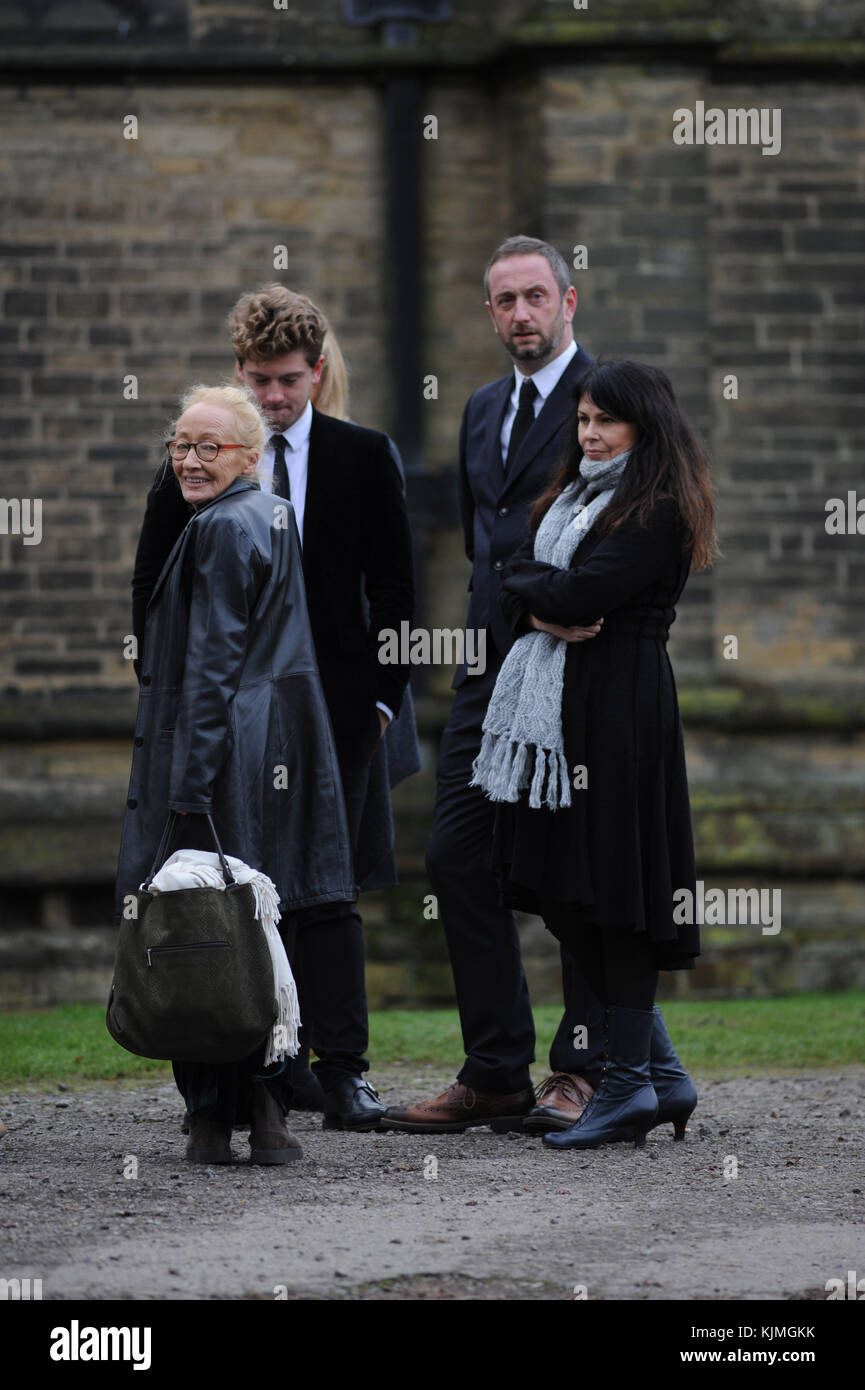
<point x="273" y="320"/>
<point x="530" y="246"/>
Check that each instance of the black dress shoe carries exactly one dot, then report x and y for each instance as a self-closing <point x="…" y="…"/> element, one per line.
<point x="351" y="1103"/>
<point x="306" y="1091"/>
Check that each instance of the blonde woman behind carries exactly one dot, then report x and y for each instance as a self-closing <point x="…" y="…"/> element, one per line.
<point x="330" y="393"/>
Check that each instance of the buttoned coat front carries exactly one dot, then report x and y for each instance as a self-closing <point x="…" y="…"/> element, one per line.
<point x="231" y="715"/>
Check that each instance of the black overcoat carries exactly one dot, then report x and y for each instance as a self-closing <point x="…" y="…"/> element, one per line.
<point x="231" y="715"/>
<point x="357" y="563"/>
<point x="625" y="844"/>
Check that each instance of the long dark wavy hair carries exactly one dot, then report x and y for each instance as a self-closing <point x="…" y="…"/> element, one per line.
<point x="667" y="459"/>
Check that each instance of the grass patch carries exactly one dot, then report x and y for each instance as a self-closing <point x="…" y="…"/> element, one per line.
<point x="727" y="1037"/>
<point x="70" y="1044"/>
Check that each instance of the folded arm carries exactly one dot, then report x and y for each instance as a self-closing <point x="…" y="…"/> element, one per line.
<point x="620" y="567"/>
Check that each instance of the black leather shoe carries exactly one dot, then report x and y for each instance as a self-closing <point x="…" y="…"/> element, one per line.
<point x="351" y="1103"/>
<point x="306" y="1091"/>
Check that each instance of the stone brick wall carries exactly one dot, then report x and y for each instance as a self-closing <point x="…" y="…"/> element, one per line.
<point x="122" y="258"/>
<point x="260" y="128"/>
<point x="717" y="260"/>
<point x="788" y="307"/>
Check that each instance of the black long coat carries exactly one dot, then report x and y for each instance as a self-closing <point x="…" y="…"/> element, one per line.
<point x="625" y="844"/>
<point x="231" y="715"/>
<point x="357" y="564"/>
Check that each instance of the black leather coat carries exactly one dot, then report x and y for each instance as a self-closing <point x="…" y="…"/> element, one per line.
<point x="231" y="716"/>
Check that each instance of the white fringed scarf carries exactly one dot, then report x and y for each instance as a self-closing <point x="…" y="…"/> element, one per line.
<point x="198" y="868"/>
<point x="523" y="723"/>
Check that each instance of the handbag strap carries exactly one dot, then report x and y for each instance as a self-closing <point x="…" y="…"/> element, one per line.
<point x="162" y="851"/>
<point x="226" y="872"/>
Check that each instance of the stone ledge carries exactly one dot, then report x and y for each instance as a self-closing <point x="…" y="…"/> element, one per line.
<point x="109" y="712"/>
<point x="441" y="48"/>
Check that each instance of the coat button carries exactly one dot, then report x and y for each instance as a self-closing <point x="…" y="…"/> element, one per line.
<point x="138" y="741"/>
<point x="498" y="565"/>
<point x="145" y="680"/>
<point x="132" y="803"/>
<point x="503" y="511"/>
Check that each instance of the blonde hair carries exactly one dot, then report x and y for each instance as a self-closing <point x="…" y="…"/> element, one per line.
<point x="252" y="428"/>
<point x="330" y="395"/>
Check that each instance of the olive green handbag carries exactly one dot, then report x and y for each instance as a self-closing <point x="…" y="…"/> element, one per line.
<point x="193" y="975"/>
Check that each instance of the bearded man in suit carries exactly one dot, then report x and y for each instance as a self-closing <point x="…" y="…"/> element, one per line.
<point x="513" y="434"/>
<point x="348" y="502"/>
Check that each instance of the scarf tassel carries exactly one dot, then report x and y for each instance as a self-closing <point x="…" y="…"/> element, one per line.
<point x="537" y="787"/>
<point x="499" y="767"/>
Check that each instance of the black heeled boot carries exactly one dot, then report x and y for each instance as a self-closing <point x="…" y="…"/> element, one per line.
<point x="625" y="1105"/>
<point x="677" y="1095"/>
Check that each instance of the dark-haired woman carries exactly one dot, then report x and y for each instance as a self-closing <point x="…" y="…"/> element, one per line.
<point x="583" y="745"/>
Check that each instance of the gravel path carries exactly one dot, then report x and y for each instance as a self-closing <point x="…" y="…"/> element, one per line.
<point x="472" y="1216"/>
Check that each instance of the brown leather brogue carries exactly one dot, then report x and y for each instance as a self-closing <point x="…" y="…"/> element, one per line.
<point x="460" y="1108"/>
<point x="560" y="1102"/>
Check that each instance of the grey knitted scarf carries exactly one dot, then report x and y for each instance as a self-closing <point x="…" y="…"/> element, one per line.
<point x="522" y="742"/>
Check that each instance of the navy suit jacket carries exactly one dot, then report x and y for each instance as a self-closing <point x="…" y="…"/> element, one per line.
<point x="495" y="505"/>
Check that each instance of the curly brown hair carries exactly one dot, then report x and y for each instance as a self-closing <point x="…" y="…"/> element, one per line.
<point x="271" y="321"/>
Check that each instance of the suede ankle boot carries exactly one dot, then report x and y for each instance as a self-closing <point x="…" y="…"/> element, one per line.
<point x="209" y="1137"/>
<point x="270" y="1139"/>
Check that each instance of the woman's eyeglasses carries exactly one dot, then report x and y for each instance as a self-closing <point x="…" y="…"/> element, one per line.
<point x="206" y="451"/>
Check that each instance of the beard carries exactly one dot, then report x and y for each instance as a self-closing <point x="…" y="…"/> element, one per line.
<point x="521" y="353"/>
<point x="545" y="347"/>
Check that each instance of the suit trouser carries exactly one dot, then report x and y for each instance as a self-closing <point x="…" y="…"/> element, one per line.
<point x="492" y="994"/>
<point x="326" y="946"/>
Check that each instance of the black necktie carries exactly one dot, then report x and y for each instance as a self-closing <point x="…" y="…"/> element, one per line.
<point x="524" y="419"/>
<point x="280" y="468"/>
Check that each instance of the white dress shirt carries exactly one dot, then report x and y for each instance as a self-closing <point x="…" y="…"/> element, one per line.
<point x="546" y="380"/>
<point x="296" y="461"/>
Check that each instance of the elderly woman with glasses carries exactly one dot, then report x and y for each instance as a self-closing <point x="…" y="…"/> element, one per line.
<point x="232" y="723"/>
